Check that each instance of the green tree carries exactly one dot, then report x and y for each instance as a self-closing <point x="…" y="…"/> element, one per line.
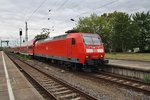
<point x="95" y="24"/>
<point x="86" y="24"/>
<point x="142" y="20"/>
<point x="105" y="30"/>
<point x="122" y="36"/>
<point x="41" y="36"/>
<point x="119" y="31"/>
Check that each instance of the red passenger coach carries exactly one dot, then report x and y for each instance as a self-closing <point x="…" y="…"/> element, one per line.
<point x="79" y="50"/>
<point x="26" y="48"/>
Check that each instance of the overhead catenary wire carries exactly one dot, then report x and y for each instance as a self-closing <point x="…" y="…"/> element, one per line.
<point x="53" y="8"/>
<point x="26" y="9"/>
<point x="60" y="7"/>
<point x="36" y="10"/>
<point x="104" y="5"/>
<point x="62" y="4"/>
<point x="109" y="3"/>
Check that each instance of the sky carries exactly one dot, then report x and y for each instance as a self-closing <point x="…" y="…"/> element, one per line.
<point x="14" y="14"/>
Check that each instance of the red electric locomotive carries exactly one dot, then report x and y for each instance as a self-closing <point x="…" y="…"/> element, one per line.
<point x="80" y="50"/>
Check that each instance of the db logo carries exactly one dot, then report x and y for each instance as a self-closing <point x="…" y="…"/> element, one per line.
<point x="94" y="50"/>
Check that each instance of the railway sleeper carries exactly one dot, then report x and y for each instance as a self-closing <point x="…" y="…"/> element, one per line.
<point x="77" y="98"/>
<point x="62" y="92"/>
<point x="48" y="82"/>
<point x="59" y="89"/>
<point x="68" y="96"/>
<point x="53" y="87"/>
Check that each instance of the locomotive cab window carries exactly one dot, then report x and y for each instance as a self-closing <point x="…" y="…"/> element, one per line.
<point x="73" y="41"/>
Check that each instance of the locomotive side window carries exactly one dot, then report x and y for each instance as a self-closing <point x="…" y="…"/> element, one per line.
<point x="73" y="41"/>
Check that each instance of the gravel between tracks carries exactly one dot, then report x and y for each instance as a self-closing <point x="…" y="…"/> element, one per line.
<point x="99" y="89"/>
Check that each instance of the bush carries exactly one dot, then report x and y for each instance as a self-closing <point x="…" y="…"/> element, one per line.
<point x="1" y="48"/>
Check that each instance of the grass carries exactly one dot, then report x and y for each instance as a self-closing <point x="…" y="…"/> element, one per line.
<point x="129" y="56"/>
<point x="147" y="78"/>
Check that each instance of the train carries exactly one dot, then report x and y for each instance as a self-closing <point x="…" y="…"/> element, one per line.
<point x="75" y="49"/>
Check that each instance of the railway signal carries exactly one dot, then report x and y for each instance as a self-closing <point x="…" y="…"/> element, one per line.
<point x="20" y="33"/>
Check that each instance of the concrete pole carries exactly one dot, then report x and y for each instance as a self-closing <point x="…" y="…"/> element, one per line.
<point x="26" y="35"/>
<point x="20" y="40"/>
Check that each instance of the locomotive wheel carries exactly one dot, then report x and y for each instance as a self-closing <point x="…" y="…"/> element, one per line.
<point x="77" y="67"/>
<point x="94" y="69"/>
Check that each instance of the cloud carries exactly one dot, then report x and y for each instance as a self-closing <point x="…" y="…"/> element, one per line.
<point x="14" y="13"/>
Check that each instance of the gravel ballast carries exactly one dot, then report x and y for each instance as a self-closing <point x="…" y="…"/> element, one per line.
<point x="99" y="89"/>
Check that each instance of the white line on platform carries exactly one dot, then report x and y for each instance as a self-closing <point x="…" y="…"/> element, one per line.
<point x="11" y="95"/>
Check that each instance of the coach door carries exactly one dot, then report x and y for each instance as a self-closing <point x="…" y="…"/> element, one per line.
<point x="69" y="48"/>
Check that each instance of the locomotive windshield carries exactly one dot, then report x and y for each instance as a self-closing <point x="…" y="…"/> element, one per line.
<point x="88" y="40"/>
<point x="91" y="40"/>
<point x="96" y="40"/>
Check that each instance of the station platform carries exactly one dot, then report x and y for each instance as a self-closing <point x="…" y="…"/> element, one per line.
<point x="13" y="85"/>
<point x="139" y="65"/>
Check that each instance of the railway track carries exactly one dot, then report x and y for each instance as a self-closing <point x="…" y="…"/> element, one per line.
<point x="130" y="83"/>
<point x="138" y="85"/>
<point x="127" y="82"/>
<point x="54" y="88"/>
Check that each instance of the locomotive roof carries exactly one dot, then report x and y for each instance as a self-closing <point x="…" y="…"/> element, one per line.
<point x="55" y="38"/>
<point x="60" y="36"/>
<point x="72" y="31"/>
<point x="64" y="36"/>
<point x="93" y="35"/>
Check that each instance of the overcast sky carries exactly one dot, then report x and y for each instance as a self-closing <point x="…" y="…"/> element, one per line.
<point x="14" y="13"/>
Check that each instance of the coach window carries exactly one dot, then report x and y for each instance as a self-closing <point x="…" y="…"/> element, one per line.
<point x="73" y="41"/>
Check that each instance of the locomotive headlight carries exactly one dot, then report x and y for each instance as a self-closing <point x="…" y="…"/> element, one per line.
<point x="101" y="56"/>
<point x="87" y="57"/>
<point x="89" y="50"/>
<point x="100" y="50"/>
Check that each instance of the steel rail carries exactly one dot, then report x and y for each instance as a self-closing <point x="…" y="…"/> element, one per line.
<point x="138" y="85"/>
<point x="56" y="88"/>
